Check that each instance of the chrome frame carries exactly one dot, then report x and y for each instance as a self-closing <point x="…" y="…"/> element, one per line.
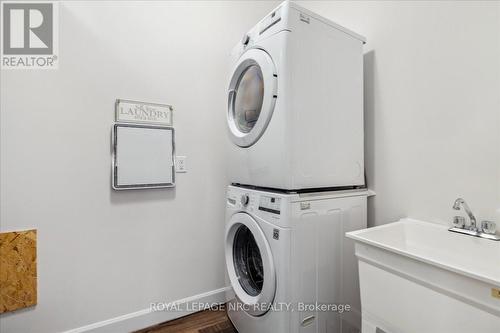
<point x="114" y="171"/>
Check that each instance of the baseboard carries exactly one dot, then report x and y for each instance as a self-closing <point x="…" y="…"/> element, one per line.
<point x="147" y="317"/>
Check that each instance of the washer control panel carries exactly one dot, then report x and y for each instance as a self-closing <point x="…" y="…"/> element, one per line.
<point x="270" y="204"/>
<point x="263" y="204"/>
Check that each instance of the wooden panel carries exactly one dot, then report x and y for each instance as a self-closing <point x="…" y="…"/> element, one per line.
<point x="200" y="322"/>
<point x="18" y="279"/>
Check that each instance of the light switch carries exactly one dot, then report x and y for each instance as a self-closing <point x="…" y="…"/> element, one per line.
<point x="180" y="164"/>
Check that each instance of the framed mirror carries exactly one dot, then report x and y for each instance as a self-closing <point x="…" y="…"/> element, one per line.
<point x="143" y="156"/>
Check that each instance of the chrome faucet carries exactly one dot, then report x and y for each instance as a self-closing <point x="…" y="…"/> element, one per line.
<point x="487" y="229"/>
<point x="461" y="202"/>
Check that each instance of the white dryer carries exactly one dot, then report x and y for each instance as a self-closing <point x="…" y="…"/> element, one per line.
<point x="295" y="103"/>
<point x="286" y="254"/>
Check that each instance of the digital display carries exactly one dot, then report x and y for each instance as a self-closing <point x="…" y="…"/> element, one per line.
<point x="270" y="204"/>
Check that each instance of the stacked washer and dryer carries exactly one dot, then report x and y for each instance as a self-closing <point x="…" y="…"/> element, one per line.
<point x="295" y="118"/>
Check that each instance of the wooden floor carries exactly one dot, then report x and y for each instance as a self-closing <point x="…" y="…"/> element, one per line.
<point x="200" y="322"/>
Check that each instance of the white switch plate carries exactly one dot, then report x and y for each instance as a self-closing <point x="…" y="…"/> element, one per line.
<point x="180" y="164"/>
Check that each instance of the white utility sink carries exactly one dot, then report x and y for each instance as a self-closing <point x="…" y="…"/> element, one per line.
<point x="417" y="277"/>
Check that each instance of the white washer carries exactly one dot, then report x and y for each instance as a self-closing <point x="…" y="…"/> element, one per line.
<point x="286" y="251"/>
<point x="295" y="103"/>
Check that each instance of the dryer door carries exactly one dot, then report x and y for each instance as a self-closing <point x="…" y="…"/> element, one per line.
<point x="251" y="97"/>
<point x="250" y="264"/>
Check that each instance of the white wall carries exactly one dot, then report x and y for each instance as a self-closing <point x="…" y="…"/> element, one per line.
<point x="433" y="133"/>
<point x="101" y="253"/>
<point x="432" y="104"/>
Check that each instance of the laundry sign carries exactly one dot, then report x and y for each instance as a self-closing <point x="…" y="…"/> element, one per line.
<point x="128" y="111"/>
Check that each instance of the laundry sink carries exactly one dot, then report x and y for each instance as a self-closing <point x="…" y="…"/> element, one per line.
<point x="416" y="276"/>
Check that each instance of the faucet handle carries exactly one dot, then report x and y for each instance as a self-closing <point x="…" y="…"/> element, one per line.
<point x="488" y="227"/>
<point x="459" y="222"/>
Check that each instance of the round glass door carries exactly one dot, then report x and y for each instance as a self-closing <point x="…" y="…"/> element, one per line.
<point x="249" y="264"/>
<point x="249" y="94"/>
<point x="251" y="97"/>
<point x="248" y="261"/>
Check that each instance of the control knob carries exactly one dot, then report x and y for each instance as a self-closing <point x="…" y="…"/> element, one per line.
<point x="245" y="199"/>
<point x="245" y="40"/>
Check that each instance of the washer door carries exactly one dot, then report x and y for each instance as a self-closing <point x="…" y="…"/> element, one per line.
<point x="251" y="97"/>
<point x="250" y="264"/>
